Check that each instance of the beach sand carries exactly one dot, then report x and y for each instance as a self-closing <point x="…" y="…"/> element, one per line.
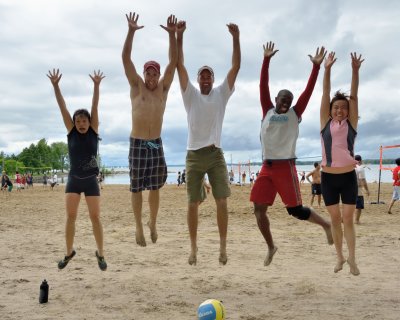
<point x="156" y="282"/>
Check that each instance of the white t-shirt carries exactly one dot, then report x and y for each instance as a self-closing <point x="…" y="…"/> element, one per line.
<point x="279" y="134"/>
<point x="205" y="114"/>
<point x="360" y="171"/>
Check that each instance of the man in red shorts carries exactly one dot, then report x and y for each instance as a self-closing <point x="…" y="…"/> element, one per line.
<point x="279" y="133"/>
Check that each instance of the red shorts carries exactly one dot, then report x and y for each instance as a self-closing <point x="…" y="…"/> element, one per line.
<point x="279" y="176"/>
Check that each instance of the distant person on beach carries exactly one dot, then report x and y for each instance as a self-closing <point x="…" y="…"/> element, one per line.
<point x="303" y="176"/>
<point x="362" y="184"/>
<point x="279" y="133"/>
<point x="18" y="181"/>
<point x="243" y="178"/>
<point x="315" y="183"/>
<point x="45" y="178"/>
<point x="184" y="177"/>
<point x="148" y="169"/>
<point x="205" y="114"/>
<point x="396" y="184"/>
<point x="82" y="136"/>
<point x="339" y="119"/>
<point x="179" y="178"/>
<point x="231" y="177"/>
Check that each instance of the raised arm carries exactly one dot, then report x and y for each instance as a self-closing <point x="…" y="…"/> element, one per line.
<point x="236" y="56"/>
<point x="182" y="72"/>
<point x="353" y="105"/>
<point x="94" y="114"/>
<point x="265" y="96"/>
<point x="55" y="77"/>
<point x="304" y="98"/>
<point x="173" y="52"/>
<point x="326" y="90"/>
<point x="129" y="67"/>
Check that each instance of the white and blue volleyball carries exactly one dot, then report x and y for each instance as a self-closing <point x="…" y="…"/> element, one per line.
<point x="211" y="309"/>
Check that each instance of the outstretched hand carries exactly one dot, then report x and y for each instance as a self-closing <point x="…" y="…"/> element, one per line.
<point x="319" y="56"/>
<point x="356" y="61"/>
<point x="233" y="29"/>
<point x="132" y="21"/>
<point x="269" y="49"/>
<point x="54" y="76"/>
<point x="181" y="27"/>
<point x="171" y="24"/>
<point x="97" y="77"/>
<point x="330" y="60"/>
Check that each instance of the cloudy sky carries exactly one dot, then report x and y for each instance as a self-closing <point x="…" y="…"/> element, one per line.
<point x="80" y="36"/>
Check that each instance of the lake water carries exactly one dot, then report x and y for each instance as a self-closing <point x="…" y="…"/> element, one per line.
<point x="371" y="172"/>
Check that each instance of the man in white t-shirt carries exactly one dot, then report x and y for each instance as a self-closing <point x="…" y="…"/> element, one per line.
<point x="205" y="113"/>
<point x="362" y="184"/>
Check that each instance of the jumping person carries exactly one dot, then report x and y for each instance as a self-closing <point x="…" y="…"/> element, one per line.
<point x="279" y="133"/>
<point x="148" y="169"/>
<point x="205" y="114"/>
<point x="339" y="119"/>
<point x="83" y="140"/>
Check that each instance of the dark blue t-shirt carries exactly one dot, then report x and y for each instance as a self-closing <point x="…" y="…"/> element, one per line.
<point x="82" y="149"/>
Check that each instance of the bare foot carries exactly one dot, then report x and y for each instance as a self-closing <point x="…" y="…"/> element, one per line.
<point x="339" y="266"/>
<point x="223" y="258"/>
<point x="353" y="268"/>
<point x="270" y="255"/>
<point x="390" y="212"/>
<point x="329" y="237"/>
<point x="153" y="233"/>
<point x="140" y="240"/>
<point x="193" y="258"/>
<point x="357" y="222"/>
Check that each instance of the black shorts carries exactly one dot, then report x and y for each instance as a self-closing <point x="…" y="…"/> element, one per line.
<point x="147" y="167"/>
<point x="316" y="189"/>
<point x="360" y="202"/>
<point x="339" y="186"/>
<point x="88" y="185"/>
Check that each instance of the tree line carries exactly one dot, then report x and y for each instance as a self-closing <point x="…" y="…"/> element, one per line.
<point x="37" y="158"/>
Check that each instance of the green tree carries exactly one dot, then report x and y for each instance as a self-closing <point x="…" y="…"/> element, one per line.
<point x="59" y="155"/>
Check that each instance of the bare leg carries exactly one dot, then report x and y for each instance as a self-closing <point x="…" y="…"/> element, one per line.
<point x="137" y="211"/>
<point x="337" y="234"/>
<point x="312" y="200"/>
<point x="319" y="200"/>
<point x="391" y="205"/>
<point x="222" y="220"/>
<point x="317" y="219"/>
<point x="358" y="215"/>
<point x="260" y="211"/>
<point x="93" y="203"/>
<point x="72" y="203"/>
<point x="350" y="236"/>
<point x="193" y="219"/>
<point x="154" y="203"/>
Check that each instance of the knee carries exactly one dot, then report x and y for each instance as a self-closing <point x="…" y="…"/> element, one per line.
<point x="299" y="212"/>
<point x="260" y="210"/>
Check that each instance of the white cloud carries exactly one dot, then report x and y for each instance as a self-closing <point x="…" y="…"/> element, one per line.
<point x="79" y="36"/>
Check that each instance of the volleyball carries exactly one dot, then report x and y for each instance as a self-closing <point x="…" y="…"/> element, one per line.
<point x="211" y="309"/>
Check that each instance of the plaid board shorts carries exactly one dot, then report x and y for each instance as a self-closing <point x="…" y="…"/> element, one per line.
<point x="147" y="167"/>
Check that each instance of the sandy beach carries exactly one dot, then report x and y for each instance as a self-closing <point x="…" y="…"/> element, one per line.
<point x="156" y="282"/>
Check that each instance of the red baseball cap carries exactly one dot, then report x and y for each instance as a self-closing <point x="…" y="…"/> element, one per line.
<point x="152" y="64"/>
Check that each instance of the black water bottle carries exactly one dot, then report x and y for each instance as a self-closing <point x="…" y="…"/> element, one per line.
<point x="44" y="292"/>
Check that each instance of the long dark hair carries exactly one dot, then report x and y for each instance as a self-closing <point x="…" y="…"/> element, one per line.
<point x="81" y="112"/>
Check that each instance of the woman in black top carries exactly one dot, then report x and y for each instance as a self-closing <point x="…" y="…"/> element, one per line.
<point x="82" y="148"/>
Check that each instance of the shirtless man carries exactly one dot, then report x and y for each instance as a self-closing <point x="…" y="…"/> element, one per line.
<point x="148" y="169"/>
<point x="315" y="183"/>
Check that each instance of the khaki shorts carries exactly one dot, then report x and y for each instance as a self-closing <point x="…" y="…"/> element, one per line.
<point x="208" y="160"/>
